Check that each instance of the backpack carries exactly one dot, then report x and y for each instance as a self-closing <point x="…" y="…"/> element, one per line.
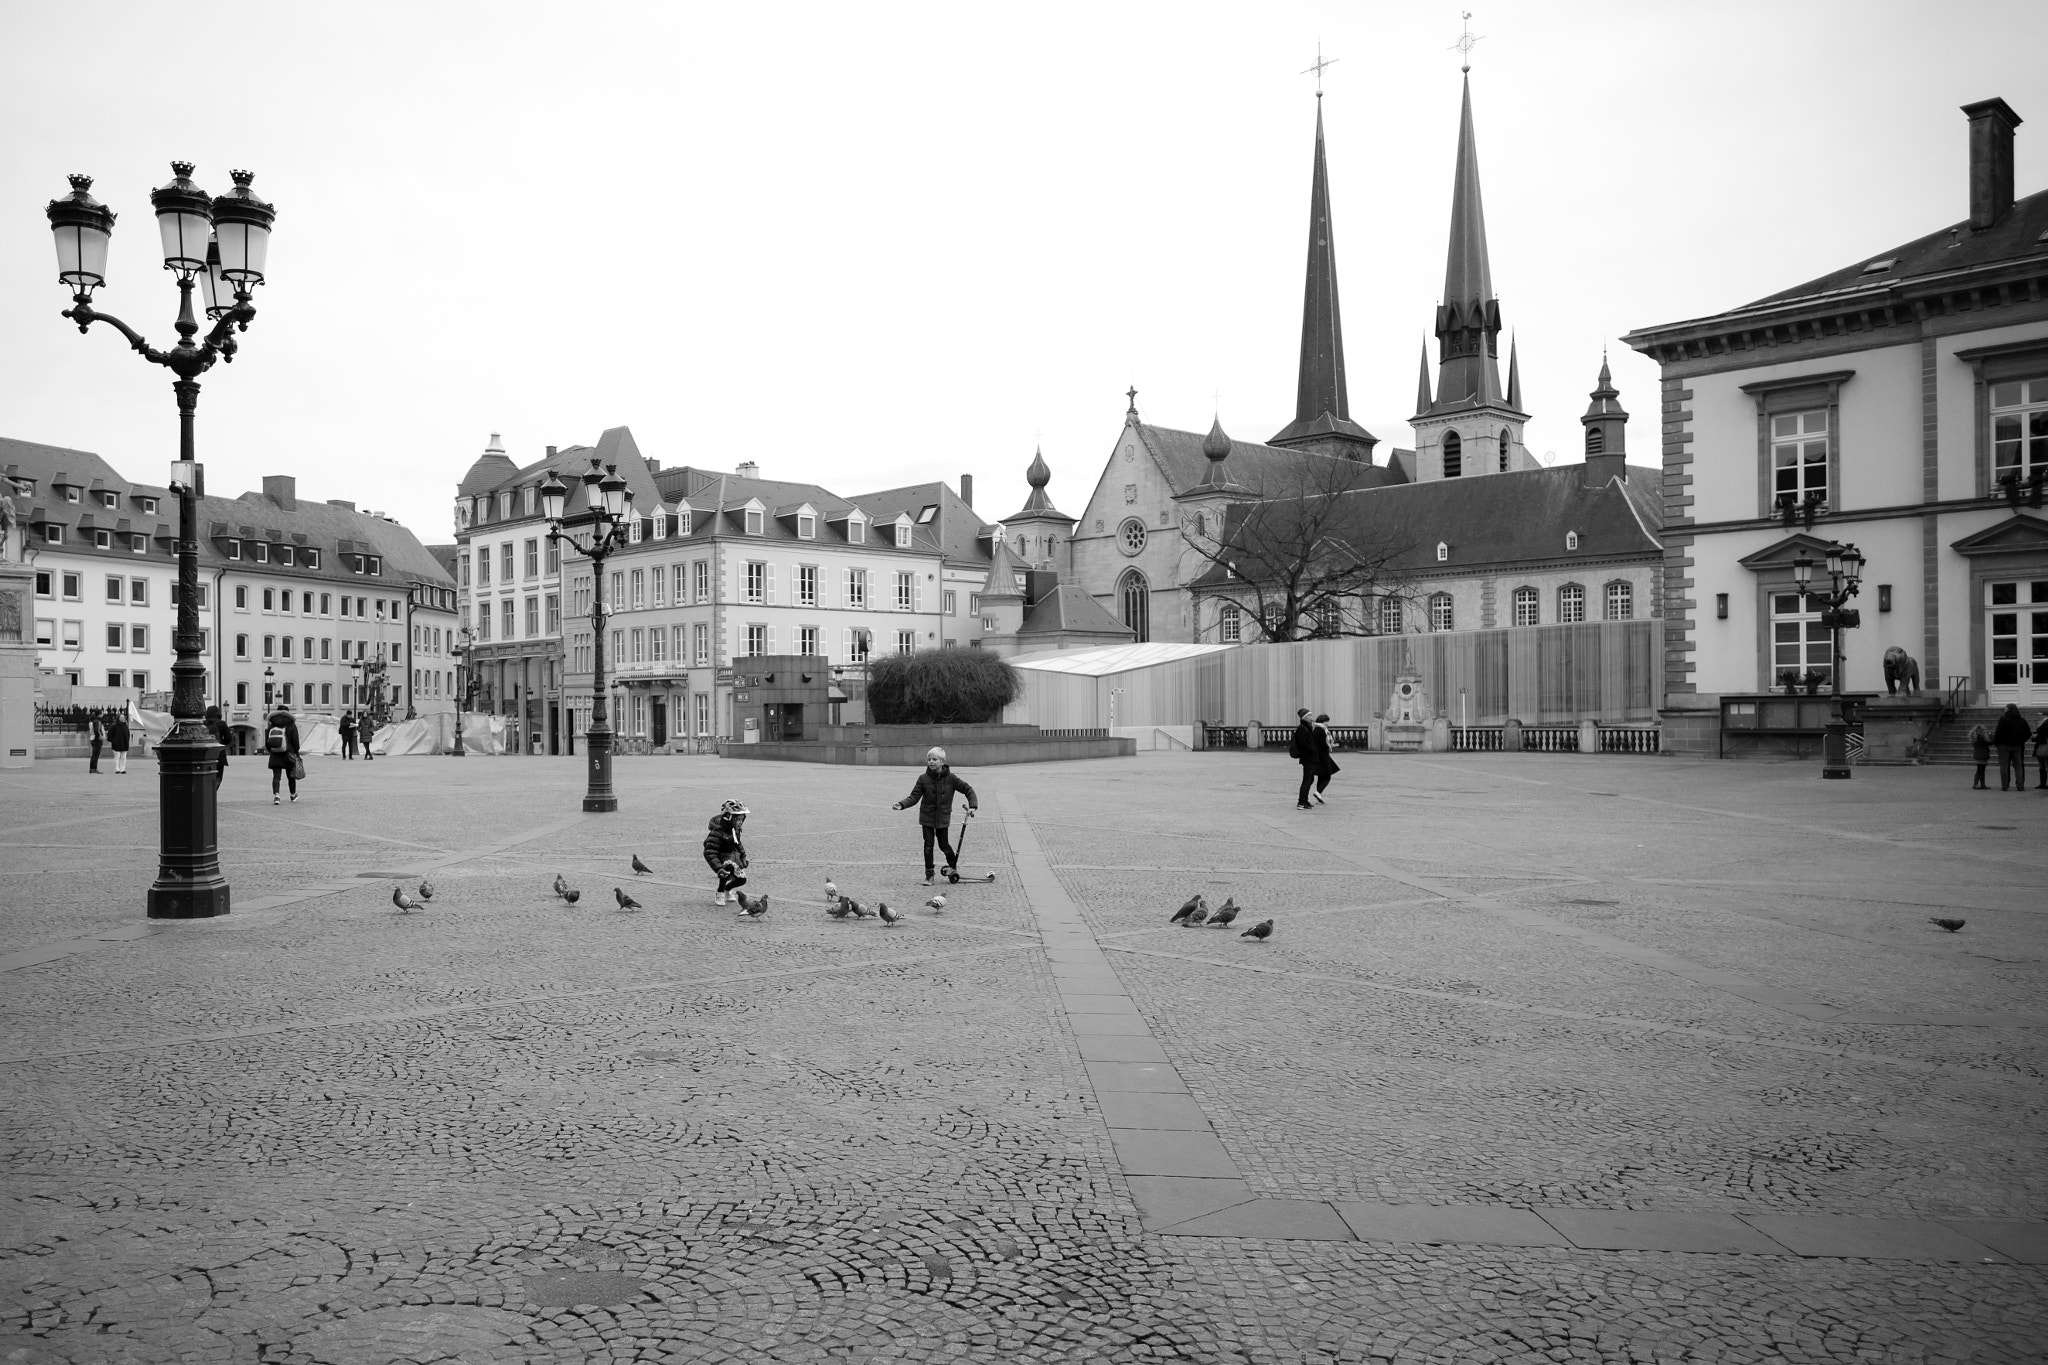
<point x="1294" y="745"/>
<point x="275" y="739"/>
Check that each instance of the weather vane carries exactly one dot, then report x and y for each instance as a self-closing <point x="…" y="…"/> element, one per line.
<point x="1467" y="40"/>
<point x="1320" y="66"/>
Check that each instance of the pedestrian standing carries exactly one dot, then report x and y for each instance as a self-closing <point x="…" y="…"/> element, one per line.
<point x="2041" y="756"/>
<point x="282" y="742"/>
<point x="1980" y="754"/>
<point x="932" y="794"/>
<point x="348" y="736"/>
<point x="96" y="734"/>
<point x="724" y="854"/>
<point x="1328" y="768"/>
<point x="217" y="731"/>
<point x="117" y="740"/>
<point x="1305" y="748"/>
<point x="2010" y="738"/>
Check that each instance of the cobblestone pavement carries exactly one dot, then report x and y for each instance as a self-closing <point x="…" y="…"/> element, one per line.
<point x="1549" y="1059"/>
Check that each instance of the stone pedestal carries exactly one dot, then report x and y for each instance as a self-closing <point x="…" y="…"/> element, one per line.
<point x="17" y="664"/>
<point x="1894" y="728"/>
<point x="1408" y="716"/>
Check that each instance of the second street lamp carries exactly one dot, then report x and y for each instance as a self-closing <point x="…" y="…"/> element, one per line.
<point x="607" y="500"/>
<point x="1844" y="565"/>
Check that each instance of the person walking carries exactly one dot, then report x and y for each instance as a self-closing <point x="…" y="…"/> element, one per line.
<point x="932" y="794"/>
<point x="1328" y="768"/>
<point x="117" y="740"/>
<point x="2009" y="737"/>
<point x="1980" y="754"/>
<point x="282" y="742"/>
<point x="348" y="736"/>
<point x="217" y="731"/>
<point x="96" y="734"/>
<point x="1307" y="748"/>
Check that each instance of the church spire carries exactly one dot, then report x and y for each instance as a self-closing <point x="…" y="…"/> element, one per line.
<point x="1422" y="398"/>
<point x="1514" y="375"/>
<point x="1322" y="408"/>
<point x="1468" y="319"/>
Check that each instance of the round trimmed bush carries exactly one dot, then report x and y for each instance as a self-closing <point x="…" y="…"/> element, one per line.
<point x="941" y="687"/>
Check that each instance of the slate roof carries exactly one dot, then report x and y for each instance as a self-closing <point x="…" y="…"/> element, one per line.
<point x="1068" y="609"/>
<point x="615" y="447"/>
<point x="1249" y="462"/>
<point x="2018" y="233"/>
<point x="718" y="500"/>
<point x="956" y="530"/>
<point x="334" y="531"/>
<point x="1496" y="521"/>
<point x="52" y="466"/>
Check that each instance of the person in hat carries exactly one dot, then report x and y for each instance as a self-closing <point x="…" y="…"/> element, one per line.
<point x="1311" y="750"/>
<point x="933" y="796"/>
<point x="724" y="854"/>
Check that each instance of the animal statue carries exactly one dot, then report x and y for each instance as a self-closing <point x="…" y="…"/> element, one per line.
<point x="1900" y="670"/>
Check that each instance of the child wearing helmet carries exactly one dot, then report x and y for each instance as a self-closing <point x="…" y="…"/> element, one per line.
<point x="933" y="796"/>
<point x="724" y="854"/>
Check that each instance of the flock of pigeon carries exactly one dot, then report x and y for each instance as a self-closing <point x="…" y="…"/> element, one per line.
<point x="1195" y="913"/>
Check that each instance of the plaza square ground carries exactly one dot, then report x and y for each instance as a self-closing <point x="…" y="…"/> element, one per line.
<point x="1555" y="1058"/>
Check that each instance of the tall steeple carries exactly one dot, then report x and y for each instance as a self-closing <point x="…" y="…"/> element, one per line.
<point x="1322" y="408"/>
<point x="1468" y="318"/>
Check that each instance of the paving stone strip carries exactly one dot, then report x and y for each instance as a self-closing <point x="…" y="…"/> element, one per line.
<point x="1186" y="1184"/>
<point x="1785" y="1001"/>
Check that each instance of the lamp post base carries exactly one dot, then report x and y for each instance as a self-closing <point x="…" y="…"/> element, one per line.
<point x="189" y="884"/>
<point x="599" y="798"/>
<point x="1834" y="750"/>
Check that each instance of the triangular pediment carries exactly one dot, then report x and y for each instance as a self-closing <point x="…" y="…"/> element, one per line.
<point x="2015" y="535"/>
<point x="1781" y="555"/>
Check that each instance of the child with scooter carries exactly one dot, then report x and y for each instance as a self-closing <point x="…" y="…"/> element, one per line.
<point x="723" y="852"/>
<point x="933" y="797"/>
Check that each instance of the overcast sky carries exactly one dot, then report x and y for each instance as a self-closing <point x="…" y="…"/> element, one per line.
<point x="868" y="245"/>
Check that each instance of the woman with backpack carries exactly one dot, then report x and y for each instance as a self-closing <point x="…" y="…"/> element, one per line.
<point x="217" y="731"/>
<point x="117" y="740"/>
<point x="282" y="740"/>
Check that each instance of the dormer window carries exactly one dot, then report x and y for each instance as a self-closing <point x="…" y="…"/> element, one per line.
<point x="71" y="495"/>
<point x="234" y="548"/>
<point x="661" y="525"/>
<point x="103" y="540"/>
<point x="284" y="554"/>
<point x="149" y="506"/>
<point x="754" y="521"/>
<point x="526" y="495"/>
<point x="902" y="535"/>
<point x="633" y="525"/>
<point x="505" y="505"/>
<point x="311" y="558"/>
<point x="806" y="526"/>
<point x="1571" y="540"/>
<point x="262" y="552"/>
<point x="108" y="500"/>
<point x="924" y="518"/>
<point x="856" y="531"/>
<point x="1443" y="552"/>
<point x="682" y="521"/>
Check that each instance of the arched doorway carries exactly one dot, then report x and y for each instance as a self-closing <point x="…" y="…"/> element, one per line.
<point x="1134" y="596"/>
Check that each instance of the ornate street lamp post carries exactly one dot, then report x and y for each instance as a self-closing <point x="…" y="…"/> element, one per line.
<point x="1845" y="573"/>
<point x="608" y="499"/>
<point x="221" y="245"/>
<point x="463" y="684"/>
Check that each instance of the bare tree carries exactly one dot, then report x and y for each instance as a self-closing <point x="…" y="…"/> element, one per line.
<point x="1305" y="551"/>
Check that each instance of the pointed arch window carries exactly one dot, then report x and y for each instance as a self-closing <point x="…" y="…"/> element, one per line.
<point x="1454" y="455"/>
<point x="1507" y="439"/>
<point x="1134" y="598"/>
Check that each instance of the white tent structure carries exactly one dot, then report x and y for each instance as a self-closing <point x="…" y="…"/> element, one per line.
<point x="1152" y="693"/>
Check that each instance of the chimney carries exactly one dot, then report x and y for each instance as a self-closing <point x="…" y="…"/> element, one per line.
<point x="496" y="447"/>
<point x="283" y="489"/>
<point x="967" y="489"/>
<point x="750" y="470"/>
<point x="343" y="503"/>
<point x="551" y="452"/>
<point x="1991" y="125"/>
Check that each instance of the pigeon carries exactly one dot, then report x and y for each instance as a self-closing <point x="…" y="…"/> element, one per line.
<point x="831" y="892"/>
<point x="1194" y="903"/>
<point x="626" y="902"/>
<point x="889" y="917"/>
<point x="1949" y="924"/>
<point x="855" y="908"/>
<point x="1196" y="916"/>
<point x="426" y="890"/>
<point x="406" y="904"/>
<point x="561" y="886"/>
<point x="836" y="908"/>
<point x="937" y="903"/>
<point x="1259" y="932"/>
<point x="1222" y="918"/>
<point x="753" y="907"/>
<point x="572" y="896"/>
<point x="640" y="868"/>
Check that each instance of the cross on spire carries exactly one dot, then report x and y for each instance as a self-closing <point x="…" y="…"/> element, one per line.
<point x="1321" y="65"/>
<point x="1467" y="40"/>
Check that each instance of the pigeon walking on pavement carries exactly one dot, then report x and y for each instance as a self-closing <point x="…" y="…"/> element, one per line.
<point x="426" y="889"/>
<point x="1222" y="918"/>
<point x="1196" y="916"/>
<point x="1193" y="903"/>
<point x="571" y="895"/>
<point x="936" y="903"/>
<point x="640" y="868"/>
<point x="406" y="904"/>
<point x="855" y="908"/>
<point x="1259" y="932"/>
<point x="626" y="902"/>
<point x="751" y="907"/>
<point x="836" y="907"/>
<point x="831" y="893"/>
<point x="889" y="917"/>
<point x="561" y="886"/>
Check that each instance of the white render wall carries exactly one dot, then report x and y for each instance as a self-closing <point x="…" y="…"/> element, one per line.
<point x="94" y="613"/>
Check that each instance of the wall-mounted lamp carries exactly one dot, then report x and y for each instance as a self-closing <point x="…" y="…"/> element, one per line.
<point x="1884" y="597"/>
<point x="1720" y="606"/>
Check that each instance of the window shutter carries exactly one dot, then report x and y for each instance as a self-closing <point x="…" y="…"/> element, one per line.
<point x="846" y="644"/>
<point x="769" y="569"/>
<point x="770" y="646"/>
<point x="916" y="593"/>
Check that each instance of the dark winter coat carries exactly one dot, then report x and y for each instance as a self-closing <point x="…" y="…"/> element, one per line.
<point x="2011" y="731"/>
<point x="1311" y="748"/>
<point x="348" y="727"/>
<point x="1326" y="766"/>
<point x="281" y="759"/>
<point x="933" y="797"/>
<point x="219" y="730"/>
<point x="117" y="735"/>
<point x="1980" y="747"/>
<point x="722" y="840"/>
<point x="98" y="733"/>
<point x="2041" y="736"/>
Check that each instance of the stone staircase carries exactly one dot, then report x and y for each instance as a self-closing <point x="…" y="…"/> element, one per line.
<point x="1950" y="742"/>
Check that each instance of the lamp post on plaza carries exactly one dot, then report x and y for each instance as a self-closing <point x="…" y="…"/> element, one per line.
<point x="464" y="682"/>
<point x="608" y="499"/>
<point x="369" y="679"/>
<point x="219" y="244"/>
<point x="1845" y="572"/>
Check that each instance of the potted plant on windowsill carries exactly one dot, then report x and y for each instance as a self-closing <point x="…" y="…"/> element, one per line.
<point x="1813" y="678"/>
<point x="1789" y="679"/>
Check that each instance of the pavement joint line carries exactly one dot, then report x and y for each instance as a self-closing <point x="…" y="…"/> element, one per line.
<point x="1786" y="1001"/>
<point x="1559" y="1012"/>
<point x="512" y="1002"/>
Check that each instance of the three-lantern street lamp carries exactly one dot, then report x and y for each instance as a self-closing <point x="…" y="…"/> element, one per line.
<point x="218" y="244"/>
<point x="608" y="500"/>
<point x="465" y="683"/>
<point x="1844" y="565"/>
